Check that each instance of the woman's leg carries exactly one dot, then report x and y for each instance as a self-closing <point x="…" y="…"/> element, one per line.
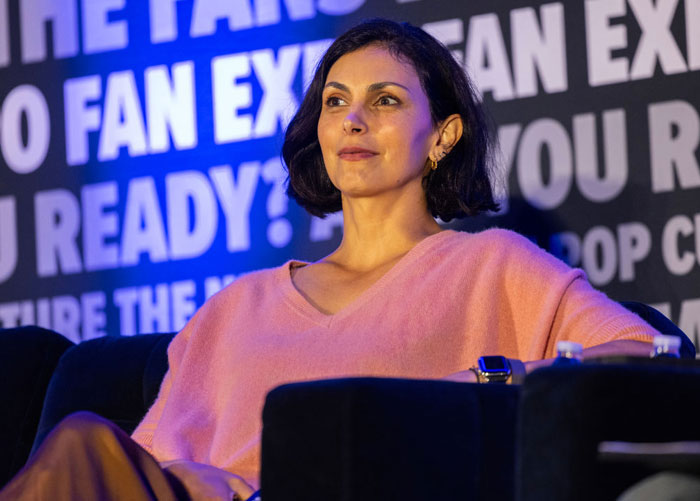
<point x="88" y="457"/>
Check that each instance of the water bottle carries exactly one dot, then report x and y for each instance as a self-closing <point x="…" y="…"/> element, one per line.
<point x="666" y="347"/>
<point x="569" y="353"/>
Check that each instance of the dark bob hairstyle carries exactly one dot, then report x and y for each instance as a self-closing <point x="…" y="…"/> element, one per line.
<point x="461" y="184"/>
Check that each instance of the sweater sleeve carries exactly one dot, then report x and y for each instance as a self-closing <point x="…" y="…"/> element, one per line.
<point x="143" y="434"/>
<point x="551" y="302"/>
<point x="589" y="317"/>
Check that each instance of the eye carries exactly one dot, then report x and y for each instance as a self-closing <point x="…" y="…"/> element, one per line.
<point x="387" y="100"/>
<point x="334" y="101"/>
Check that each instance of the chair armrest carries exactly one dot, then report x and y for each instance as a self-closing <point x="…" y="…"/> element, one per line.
<point x="378" y="439"/>
<point x="566" y="412"/>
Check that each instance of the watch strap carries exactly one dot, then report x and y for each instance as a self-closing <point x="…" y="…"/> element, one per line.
<point x="517" y="371"/>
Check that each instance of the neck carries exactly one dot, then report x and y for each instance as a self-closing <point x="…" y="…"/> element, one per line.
<point x="379" y="230"/>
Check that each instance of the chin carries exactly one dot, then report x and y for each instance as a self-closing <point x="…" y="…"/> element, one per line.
<point x="360" y="177"/>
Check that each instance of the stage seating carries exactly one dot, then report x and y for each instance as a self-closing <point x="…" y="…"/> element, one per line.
<point x="28" y="357"/>
<point x="371" y="438"/>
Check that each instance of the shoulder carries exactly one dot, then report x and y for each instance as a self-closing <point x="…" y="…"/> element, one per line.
<point x="232" y="305"/>
<point x="253" y="283"/>
<point x="494" y="237"/>
<point x="499" y="240"/>
<point x="506" y="250"/>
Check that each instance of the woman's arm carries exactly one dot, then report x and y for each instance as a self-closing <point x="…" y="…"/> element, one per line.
<point x="143" y="434"/>
<point x="619" y="347"/>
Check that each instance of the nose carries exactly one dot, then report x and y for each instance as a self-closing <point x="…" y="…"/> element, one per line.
<point x="353" y="124"/>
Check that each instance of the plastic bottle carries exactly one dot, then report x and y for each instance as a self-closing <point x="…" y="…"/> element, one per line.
<point x="666" y="347"/>
<point x="568" y="353"/>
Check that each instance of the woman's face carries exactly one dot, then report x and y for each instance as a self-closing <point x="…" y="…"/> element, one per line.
<point x="375" y="128"/>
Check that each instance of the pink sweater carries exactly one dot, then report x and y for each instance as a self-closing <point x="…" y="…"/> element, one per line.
<point x="452" y="298"/>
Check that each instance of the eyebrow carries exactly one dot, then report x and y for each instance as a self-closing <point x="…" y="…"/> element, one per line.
<point x="371" y="88"/>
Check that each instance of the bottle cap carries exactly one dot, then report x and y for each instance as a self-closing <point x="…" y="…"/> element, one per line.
<point x="569" y="347"/>
<point x="667" y="341"/>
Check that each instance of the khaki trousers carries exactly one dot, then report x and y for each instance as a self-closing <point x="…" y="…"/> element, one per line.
<point x="87" y="457"/>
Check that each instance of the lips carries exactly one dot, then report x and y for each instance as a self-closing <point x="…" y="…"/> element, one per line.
<point x="354" y="154"/>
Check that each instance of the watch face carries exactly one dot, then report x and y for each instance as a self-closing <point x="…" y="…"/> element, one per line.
<point x="493" y="364"/>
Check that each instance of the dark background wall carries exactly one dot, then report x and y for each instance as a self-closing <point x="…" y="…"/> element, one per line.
<point x="139" y="145"/>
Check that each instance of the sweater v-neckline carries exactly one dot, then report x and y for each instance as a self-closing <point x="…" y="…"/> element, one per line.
<point x="305" y="308"/>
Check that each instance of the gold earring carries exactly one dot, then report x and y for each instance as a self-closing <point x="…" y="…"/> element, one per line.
<point x="432" y="163"/>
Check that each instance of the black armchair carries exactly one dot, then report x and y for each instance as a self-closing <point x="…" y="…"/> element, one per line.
<point x="381" y="438"/>
<point x="28" y="357"/>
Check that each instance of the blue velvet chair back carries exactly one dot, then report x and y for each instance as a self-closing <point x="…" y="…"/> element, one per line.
<point x="662" y="324"/>
<point x="28" y="356"/>
<point x="115" y="377"/>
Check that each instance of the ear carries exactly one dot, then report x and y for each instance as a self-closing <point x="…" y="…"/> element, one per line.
<point x="449" y="133"/>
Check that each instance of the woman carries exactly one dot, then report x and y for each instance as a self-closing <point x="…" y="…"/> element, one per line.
<point x="391" y="133"/>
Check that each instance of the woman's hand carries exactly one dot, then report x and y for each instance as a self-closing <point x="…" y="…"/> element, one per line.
<point x="203" y="481"/>
<point x="467" y="376"/>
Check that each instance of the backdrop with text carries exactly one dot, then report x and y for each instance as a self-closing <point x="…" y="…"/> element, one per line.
<point x="139" y="145"/>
